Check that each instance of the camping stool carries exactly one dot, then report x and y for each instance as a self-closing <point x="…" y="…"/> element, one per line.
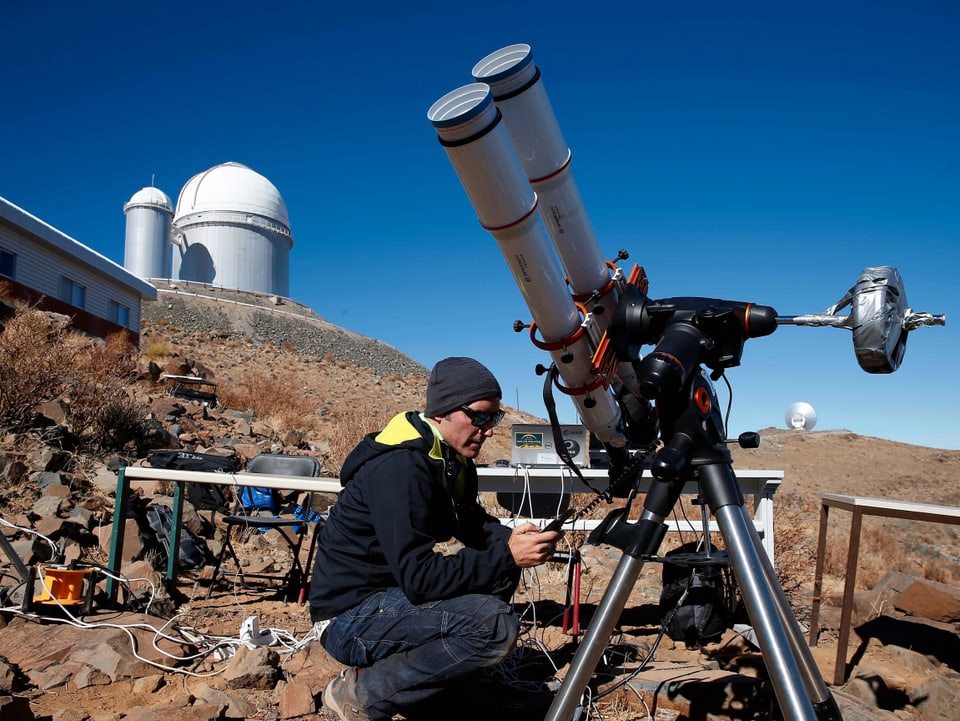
<point x="571" y="610"/>
<point x="291" y="530"/>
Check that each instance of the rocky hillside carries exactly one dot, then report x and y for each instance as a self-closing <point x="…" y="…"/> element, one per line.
<point x="259" y="320"/>
<point x="350" y="384"/>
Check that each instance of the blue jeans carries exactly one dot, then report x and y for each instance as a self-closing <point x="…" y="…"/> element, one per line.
<point x="408" y="653"/>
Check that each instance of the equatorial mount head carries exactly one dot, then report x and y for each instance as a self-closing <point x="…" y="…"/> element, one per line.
<point x="687" y="332"/>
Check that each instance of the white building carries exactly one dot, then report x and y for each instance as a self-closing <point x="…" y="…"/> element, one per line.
<point x="230" y="229"/>
<point x="45" y="266"/>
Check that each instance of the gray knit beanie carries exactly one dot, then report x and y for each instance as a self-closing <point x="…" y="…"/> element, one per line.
<point x="456" y="382"/>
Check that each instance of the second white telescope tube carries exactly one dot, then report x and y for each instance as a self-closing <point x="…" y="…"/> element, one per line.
<point x="469" y="127"/>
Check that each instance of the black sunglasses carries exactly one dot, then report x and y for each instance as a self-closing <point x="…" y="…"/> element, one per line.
<point x="483" y="419"/>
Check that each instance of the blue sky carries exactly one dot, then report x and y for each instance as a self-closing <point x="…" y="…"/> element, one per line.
<point x="755" y="151"/>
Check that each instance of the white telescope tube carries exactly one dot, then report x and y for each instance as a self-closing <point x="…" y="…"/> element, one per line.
<point x="468" y="125"/>
<point x="519" y="93"/>
<point x="521" y="97"/>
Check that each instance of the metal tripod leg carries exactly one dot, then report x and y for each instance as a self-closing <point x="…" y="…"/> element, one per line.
<point x="799" y="688"/>
<point x="14" y="559"/>
<point x="817" y="689"/>
<point x="596" y="639"/>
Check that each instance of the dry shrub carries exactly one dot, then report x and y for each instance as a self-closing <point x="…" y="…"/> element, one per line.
<point x="103" y="413"/>
<point x="37" y="358"/>
<point x="43" y="360"/>
<point x="794" y="548"/>
<point x="113" y="358"/>
<point x="280" y="402"/>
<point x="158" y="350"/>
<point x="884" y="548"/>
<point x="345" y="431"/>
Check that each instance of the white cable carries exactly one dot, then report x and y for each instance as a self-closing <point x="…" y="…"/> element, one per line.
<point x="53" y="546"/>
<point x="72" y="620"/>
<point x="127" y="581"/>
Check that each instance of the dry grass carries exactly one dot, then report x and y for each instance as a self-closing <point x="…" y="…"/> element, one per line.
<point x="282" y="402"/>
<point x="37" y="354"/>
<point x="159" y="350"/>
<point x="43" y="360"/>
<point x="350" y="425"/>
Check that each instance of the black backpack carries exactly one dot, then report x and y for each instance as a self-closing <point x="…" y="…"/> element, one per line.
<point x="707" y="609"/>
<point x="201" y="495"/>
<point x="193" y="552"/>
<point x="190" y="461"/>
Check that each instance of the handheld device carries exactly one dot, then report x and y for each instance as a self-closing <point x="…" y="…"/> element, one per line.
<point x="557" y="523"/>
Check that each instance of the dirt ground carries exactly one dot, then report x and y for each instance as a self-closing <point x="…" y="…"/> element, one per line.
<point x="813" y="463"/>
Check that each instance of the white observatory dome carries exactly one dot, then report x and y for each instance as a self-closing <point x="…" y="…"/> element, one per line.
<point x="151" y="197"/>
<point x="231" y="229"/>
<point x="232" y="186"/>
<point x="146" y="250"/>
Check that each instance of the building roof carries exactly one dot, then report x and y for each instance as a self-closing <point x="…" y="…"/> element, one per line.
<point x="47" y="233"/>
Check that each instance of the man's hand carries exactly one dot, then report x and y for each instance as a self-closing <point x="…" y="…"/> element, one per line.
<point x="530" y="546"/>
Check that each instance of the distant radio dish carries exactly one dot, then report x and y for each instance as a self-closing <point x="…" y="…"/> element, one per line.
<point x="801" y="417"/>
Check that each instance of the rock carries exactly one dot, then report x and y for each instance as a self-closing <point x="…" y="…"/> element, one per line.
<point x="167" y="407"/>
<point x="9" y="677"/>
<point x="178" y="366"/>
<point x="937" y="698"/>
<point x="54" y="675"/>
<point x="104" y="480"/>
<point x="83" y="518"/>
<point x="70" y="714"/>
<point x="854" y="709"/>
<point x="49" y="506"/>
<point x="15" y="708"/>
<point x="151" y="372"/>
<point x="34" y="648"/>
<point x="50" y="459"/>
<point x="252" y="668"/>
<point x="312" y="666"/>
<point x="155" y="436"/>
<point x="237" y="708"/>
<point x="248" y="450"/>
<point x="15" y="473"/>
<point x="197" y="712"/>
<point x="901" y="669"/>
<point x="44" y="479"/>
<point x="56" y="410"/>
<point x="148" y="684"/>
<point x="132" y="545"/>
<point x="297" y="699"/>
<point x="932" y="600"/>
<point x="88" y="676"/>
<point x="937" y="640"/>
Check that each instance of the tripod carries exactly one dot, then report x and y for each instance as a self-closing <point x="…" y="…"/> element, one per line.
<point x="695" y="450"/>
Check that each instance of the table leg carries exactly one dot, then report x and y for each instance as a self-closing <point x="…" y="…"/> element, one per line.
<point x="818" y="575"/>
<point x="846" y="608"/>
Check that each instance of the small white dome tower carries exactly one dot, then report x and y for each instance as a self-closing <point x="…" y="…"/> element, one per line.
<point x="146" y="251"/>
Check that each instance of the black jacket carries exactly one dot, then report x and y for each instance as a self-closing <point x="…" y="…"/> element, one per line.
<point x="404" y="491"/>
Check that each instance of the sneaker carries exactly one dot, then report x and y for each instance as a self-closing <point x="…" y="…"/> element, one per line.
<point x="340" y="698"/>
